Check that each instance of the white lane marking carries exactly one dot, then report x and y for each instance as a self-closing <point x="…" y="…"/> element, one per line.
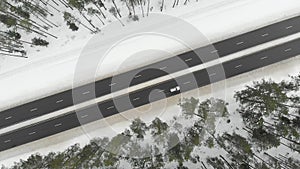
<point x="187" y="60"/>
<point x="32" y="110"/>
<point x="112" y="84"/>
<point x="136" y="99"/>
<point x="31" y="133"/>
<point x="162" y="68"/>
<point x="263" y="58"/>
<point x="209" y="64"/>
<point x="59" y="101"/>
<point x="111" y="107"/>
<point x="84" y="116"/>
<point x="264" y="35"/>
<point x="7" y="141"/>
<point x="185" y="83"/>
<point x="238" y="66"/>
<point x="137" y="76"/>
<point x="289" y="27"/>
<point x="287" y="50"/>
<point x="214" y="51"/>
<point x="213" y="74"/>
<point x="239" y="43"/>
<point x="87" y="92"/>
<point x="7" y="118"/>
<point x="57" y="125"/>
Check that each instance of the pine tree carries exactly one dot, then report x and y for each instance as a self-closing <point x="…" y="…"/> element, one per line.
<point x="276" y="101"/>
<point x="264" y="139"/>
<point x="39" y="42"/>
<point x="158" y="127"/>
<point x="188" y="106"/>
<point x="138" y="127"/>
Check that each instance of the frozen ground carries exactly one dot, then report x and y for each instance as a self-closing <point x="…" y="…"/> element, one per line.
<point x="218" y="19"/>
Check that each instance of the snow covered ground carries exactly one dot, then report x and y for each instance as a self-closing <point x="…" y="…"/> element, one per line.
<point x="52" y="70"/>
<point x="111" y="126"/>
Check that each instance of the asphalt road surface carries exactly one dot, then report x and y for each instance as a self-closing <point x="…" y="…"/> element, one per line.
<point x="100" y="88"/>
<point x="150" y="94"/>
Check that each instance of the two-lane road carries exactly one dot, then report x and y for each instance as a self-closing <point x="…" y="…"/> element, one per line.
<point x="102" y="87"/>
<point x="159" y="91"/>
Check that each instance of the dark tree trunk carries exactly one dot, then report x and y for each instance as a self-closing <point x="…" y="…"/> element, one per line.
<point x="118" y="12"/>
<point x="89" y="21"/>
<point x="162" y="5"/>
<point x="174" y="3"/>
<point x="228" y="164"/>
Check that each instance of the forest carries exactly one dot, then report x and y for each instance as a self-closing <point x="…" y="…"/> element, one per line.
<point x="270" y="114"/>
<point x="30" y="22"/>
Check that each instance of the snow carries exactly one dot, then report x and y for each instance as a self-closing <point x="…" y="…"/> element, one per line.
<point x="165" y="109"/>
<point x="52" y="70"/>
